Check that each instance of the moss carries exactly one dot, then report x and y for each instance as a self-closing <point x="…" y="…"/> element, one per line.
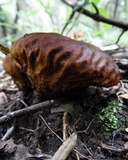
<point x="111" y="117"/>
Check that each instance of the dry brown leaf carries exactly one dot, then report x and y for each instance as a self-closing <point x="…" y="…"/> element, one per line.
<point x="63" y="152"/>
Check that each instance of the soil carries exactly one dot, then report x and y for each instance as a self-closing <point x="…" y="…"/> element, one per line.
<point x="38" y="134"/>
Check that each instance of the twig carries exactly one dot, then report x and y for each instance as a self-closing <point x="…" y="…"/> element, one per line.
<point x="77" y="156"/>
<point x="114" y="149"/>
<point x="80" y="12"/>
<point x="59" y="137"/>
<point x="50" y="128"/>
<point x="84" y="131"/>
<point x="65" y="125"/>
<point x="100" y="18"/>
<point x="23" y="102"/>
<point x="66" y="148"/>
<point x="97" y="11"/>
<point x="24" y="111"/>
<point x="68" y="21"/>
<point x="120" y="36"/>
<point x="87" y="149"/>
<point x="27" y="129"/>
<point x="77" y="121"/>
<point x="8" y="133"/>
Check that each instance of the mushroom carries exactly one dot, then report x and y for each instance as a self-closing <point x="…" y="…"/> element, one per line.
<point x="53" y="64"/>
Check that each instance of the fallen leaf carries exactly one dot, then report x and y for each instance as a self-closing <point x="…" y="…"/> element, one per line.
<point x="63" y="152"/>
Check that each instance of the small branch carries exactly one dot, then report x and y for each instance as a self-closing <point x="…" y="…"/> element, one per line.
<point x="84" y="131"/>
<point x="21" y="112"/>
<point x="59" y="137"/>
<point x="97" y="11"/>
<point x="50" y="129"/>
<point x="120" y="36"/>
<point x="65" y="125"/>
<point x="87" y="149"/>
<point x="75" y="8"/>
<point x="113" y="149"/>
<point x="8" y="133"/>
<point x="66" y="148"/>
<point x="68" y="21"/>
<point x="100" y="18"/>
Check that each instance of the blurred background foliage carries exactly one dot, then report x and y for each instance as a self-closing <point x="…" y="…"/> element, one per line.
<point x="20" y="17"/>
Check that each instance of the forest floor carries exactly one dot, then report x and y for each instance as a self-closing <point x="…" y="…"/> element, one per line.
<point x="91" y="126"/>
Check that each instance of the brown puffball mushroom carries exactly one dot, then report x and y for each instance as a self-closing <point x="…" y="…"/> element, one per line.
<point x="52" y="64"/>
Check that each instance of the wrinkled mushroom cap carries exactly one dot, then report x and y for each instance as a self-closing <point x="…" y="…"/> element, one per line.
<point x="55" y="63"/>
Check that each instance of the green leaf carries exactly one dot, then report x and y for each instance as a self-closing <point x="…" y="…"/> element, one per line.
<point x="33" y="12"/>
<point x="95" y="1"/>
<point x="103" y="12"/>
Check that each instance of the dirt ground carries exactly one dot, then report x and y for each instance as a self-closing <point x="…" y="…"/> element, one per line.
<point x="36" y="130"/>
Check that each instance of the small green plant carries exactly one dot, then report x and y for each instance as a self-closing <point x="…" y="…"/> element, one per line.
<point x="110" y="117"/>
